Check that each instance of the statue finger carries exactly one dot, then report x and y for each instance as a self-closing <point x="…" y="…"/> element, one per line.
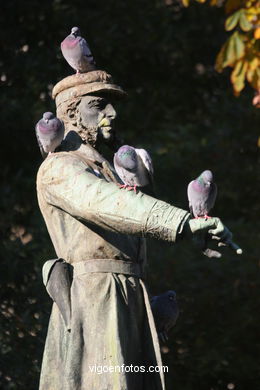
<point x="218" y="230"/>
<point x="235" y="247"/>
<point x="211" y="253"/>
<point x="222" y="244"/>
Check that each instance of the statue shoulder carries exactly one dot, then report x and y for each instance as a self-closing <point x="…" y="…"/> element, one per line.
<point x="61" y="164"/>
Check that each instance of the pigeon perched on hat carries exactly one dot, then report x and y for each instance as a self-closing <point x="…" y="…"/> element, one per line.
<point x="77" y="53"/>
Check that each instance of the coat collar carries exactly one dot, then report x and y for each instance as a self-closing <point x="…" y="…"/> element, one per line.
<point x="73" y="142"/>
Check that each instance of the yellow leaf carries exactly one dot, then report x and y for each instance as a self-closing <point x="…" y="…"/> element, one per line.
<point x="238" y="76"/>
<point x="257" y="33"/>
<point x="219" y="60"/>
<point x="186" y="3"/>
<point x="256" y="79"/>
<point x="244" y="22"/>
<point x="253" y="63"/>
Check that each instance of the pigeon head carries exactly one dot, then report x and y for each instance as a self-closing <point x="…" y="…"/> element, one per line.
<point x="206" y="177"/>
<point x="75" y="31"/>
<point x="127" y="156"/>
<point x="171" y="295"/>
<point x="47" y="116"/>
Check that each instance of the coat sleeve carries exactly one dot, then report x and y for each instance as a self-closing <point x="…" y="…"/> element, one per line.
<point x="69" y="184"/>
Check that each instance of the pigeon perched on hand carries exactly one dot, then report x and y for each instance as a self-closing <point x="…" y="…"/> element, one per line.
<point x="134" y="167"/>
<point x="165" y="311"/>
<point x="202" y="194"/>
<point x="49" y="133"/>
<point x="76" y="52"/>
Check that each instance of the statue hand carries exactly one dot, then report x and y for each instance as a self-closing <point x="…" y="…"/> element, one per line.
<point x="205" y="230"/>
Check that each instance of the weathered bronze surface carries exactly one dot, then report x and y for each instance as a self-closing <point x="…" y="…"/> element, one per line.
<point x="89" y="218"/>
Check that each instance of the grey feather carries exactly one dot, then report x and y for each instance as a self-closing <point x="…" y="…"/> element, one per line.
<point x="77" y="53"/>
<point x="202" y="193"/>
<point x="49" y="132"/>
<point x="133" y="166"/>
<point x="165" y="311"/>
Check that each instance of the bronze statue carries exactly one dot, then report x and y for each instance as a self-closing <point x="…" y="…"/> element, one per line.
<point x="101" y="317"/>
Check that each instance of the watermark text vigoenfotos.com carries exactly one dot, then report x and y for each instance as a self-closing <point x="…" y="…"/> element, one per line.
<point x="98" y="369"/>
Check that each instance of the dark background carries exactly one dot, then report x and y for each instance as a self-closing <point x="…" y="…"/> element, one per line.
<point x="184" y="113"/>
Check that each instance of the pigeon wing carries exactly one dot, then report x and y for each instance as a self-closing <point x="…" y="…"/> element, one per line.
<point x="122" y="172"/>
<point x="191" y="195"/>
<point x="212" y="196"/>
<point x="86" y="50"/>
<point x="147" y="162"/>
<point x="43" y="153"/>
<point x="146" y="158"/>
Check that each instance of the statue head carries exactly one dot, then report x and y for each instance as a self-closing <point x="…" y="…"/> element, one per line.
<point x="84" y="104"/>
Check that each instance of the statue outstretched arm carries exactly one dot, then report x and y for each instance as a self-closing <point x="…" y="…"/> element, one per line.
<point x="69" y="184"/>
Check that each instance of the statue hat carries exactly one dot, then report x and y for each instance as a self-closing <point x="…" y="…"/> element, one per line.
<point x="90" y="83"/>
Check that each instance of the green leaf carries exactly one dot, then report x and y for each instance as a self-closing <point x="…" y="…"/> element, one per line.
<point x="244" y="22"/>
<point x="232" y="20"/>
<point x="235" y="49"/>
<point x="239" y="46"/>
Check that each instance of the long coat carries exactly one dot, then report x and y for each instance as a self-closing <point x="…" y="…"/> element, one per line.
<point x="99" y="230"/>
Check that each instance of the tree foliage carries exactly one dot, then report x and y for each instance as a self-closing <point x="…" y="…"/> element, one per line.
<point x="241" y="51"/>
<point x="183" y="112"/>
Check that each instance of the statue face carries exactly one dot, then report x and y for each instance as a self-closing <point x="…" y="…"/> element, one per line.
<point x="97" y="113"/>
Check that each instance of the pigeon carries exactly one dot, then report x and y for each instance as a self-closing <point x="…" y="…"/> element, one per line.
<point x="165" y="311"/>
<point x="134" y="167"/>
<point x="202" y="193"/>
<point x="49" y="133"/>
<point x="76" y="52"/>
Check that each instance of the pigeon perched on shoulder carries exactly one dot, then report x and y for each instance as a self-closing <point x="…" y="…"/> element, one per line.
<point x="134" y="167"/>
<point x="49" y="133"/>
<point x="76" y="52"/>
<point x="165" y="311"/>
<point x="202" y="193"/>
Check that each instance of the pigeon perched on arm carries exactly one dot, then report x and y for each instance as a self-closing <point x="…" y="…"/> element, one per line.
<point x="49" y="133"/>
<point x="134" y="167"/>
<point x="76" y="52"/>
<point x="165" y="311"/>
<point x="202" y="194"/>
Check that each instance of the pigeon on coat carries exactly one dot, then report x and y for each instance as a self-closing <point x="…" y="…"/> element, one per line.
<point x="76" y="52"/>
<point x="165" y="311"/>
<point x="202" y="193"/>
<point x="49" y="133"/>
<point x="134" y="167"/>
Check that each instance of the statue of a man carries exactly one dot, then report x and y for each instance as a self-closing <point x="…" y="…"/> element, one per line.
<point x="101" y="333"/>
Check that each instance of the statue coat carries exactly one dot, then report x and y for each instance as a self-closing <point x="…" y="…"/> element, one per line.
<point x="89" y="218"/>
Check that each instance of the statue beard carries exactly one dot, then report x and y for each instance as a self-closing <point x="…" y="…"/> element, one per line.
<point x="87" y="134"/>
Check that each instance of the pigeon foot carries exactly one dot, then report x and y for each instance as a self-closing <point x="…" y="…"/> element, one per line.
<point x="122" y="185"/>
<point x="129" y="188"/>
